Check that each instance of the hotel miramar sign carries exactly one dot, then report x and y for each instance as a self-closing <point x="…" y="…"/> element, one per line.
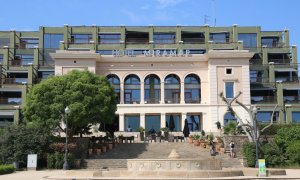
<point x="152" y="53"/>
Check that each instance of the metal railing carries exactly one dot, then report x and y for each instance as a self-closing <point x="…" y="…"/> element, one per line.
<point x="291" y="99"/>
<point x="15" y="80"/>
<point x="137" y="41"/>
<point x="132" y="101"/>
<point x="259" y="80"/>
<point x="193" y="40"/>
<point x="172" y="100"/>
<point x="7" y="101"/>
<point x="152" y="100"/>
<point x="263" y="99"/>
<point x="22" y="62"/>
<point x="192" y="100"/>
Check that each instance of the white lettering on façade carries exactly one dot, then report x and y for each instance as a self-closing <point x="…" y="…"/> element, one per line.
<point x="150" y="53"/>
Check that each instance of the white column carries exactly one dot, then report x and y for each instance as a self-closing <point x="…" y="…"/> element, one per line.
<point x="142" y="93"/>
<point x="183" y="117"/>
<point x="122" y="93"/>
<point x="142" y="120"/>
<point x="162" y="93"/>
<point x="182" y="93"/>
<point x="163" y="120"/>
<point x="121" y="122"/>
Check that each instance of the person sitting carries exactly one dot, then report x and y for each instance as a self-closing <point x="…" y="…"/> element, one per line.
<point x="152" y="131"/>
<point x="129" y="129"/>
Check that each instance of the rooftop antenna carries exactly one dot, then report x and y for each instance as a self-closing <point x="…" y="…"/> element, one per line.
<point x="206" y="19"/>
<point x="213" y="12"/>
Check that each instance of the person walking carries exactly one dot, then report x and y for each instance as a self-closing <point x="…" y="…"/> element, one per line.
<point x="186" y="130"/>
<point x="231" y="145"/>
<point x="212" y="148"/>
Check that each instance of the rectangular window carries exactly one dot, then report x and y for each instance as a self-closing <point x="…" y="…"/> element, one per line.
<point x="23" y="59"/>
<point x="152" y="121"/>
<point x="229" y="89"/>
<point x="105" y="52"/>
<point x="51" y="41"/>
<point x="269" y="41"/>
<point x="265" y="116"/>
<point x="194" y="122"/>
<point x="249" y="39"/>
<point x="29" y="43"/>
<point x="81" y="38"/>
<point x="228" y="71"/>
<point x="295" y="117"/>
<point x="1" y="58"/>
<point x="164" y="38"/>
<point x="4" y="42"/>
<point x="109" y="38"/>
<point x="173" y="122"/>
<point x="133" y="121"/>
<point x="219" y="37"/>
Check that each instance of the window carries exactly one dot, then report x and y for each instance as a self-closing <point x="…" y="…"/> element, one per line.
<point x="229" y="117"/>
<point x="249" y="39"/>
<point x="295" y="117"/>
<point x="133" y="121"/>
<point x="192" y="89"/>
<point x="152" y="89"/>
<point x="4" y="42"/>
<point x="269" y="41"/>
<point x="194" y="51"/>
<point x="109" y="38"/>
<point x="194" y="122"/>
<point x="265" y="116"/>
<point x="152" y="121"/>
<point x="105" y="52"/>
<point x="1" y="58"/>
<point x="51" y="41"/>
<point x="229" y="89"/>
<point x="228" y="71"/>
<point x="219" y="37"/>
<point x="29" y="43"/>
<point x="81" y="38"/>
<point x="173" y="122"/>
<point x="164" y="38"/>
<point x="23" y="59"/>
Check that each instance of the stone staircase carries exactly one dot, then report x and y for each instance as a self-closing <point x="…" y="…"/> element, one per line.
<point x="116" y="158"/>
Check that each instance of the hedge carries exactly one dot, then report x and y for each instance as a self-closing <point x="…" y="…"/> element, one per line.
<point x="7" y="169"/>
<point x="56" y="160"/>
<point x="249" y="153"/>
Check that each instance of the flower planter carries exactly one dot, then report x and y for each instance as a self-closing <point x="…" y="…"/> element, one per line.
<point x="222" y="150"/>
<point x="190" y="140"/>
<point x="104" y="149"/>
<point x="196" y="142"/>
<point x="98" y="151"/>
<point x="110" y="146"/>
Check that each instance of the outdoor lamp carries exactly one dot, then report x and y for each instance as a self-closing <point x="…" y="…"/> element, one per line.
<point x="66" y="165"/>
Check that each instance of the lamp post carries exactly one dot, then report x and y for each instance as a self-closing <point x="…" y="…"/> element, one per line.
<point x="254" y="110"/>
<point x="66" y="165"/>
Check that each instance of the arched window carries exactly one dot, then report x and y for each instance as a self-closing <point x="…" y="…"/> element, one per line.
<point x="229" y="117"/>
<point x="192" y="89"/>
<point x="115" y="82"/>
<point x="172" y="89"/>
<point x="152" y="89"/>
<point x="132" y="89"/>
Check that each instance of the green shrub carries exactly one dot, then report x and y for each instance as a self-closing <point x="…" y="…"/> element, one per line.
<point x="249" y="153"/>
<point x="6" y="169"/>
<point x="293" y="152"/>
<point x="273" y="155"/>
<point x="287" y="135"/>
<point x="56" y="160"/>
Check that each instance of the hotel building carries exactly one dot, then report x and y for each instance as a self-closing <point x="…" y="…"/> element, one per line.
<point x="160" y="73"/>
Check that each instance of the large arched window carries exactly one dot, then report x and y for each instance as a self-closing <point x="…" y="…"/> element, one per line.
<point x="115" y="82"/>
<point x="229" y="117"/>
<point x="152" y="89"/>
<point x="192" y="89"/>
<point x="172" y="89"/>
<point x="132" y="89"/>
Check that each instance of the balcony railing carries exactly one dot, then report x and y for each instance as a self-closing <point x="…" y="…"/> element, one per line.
<point x="132" y="101"/>
<point x="137" y="41"/>
<point x="152" y="101"/>
<point x="7" y="101"/>
<point x="22" y="62"/>
<point x="15" y="81"/>
<point x="259" y="80"/>
<point x="292" y="79"/>
<point x="192" y="100"/>
<point x="263" y="99"/>
<point x="291" y="99"/>
<point x="280" y="61"/>
<point x="172" y="100"/>
<point x="193" y="40"/>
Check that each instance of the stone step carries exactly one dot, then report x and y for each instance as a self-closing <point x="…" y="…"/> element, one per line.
<point x="104" y="164"/>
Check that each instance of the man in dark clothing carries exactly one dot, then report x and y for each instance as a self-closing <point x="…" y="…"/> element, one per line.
<point x="186" y="130"/>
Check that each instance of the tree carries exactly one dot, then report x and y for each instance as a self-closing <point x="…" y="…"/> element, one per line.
<point x="90" y="97"/>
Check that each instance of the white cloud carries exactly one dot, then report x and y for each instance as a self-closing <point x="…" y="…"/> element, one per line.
<point x="167" y="3"/>
<point x="133" y="17"/>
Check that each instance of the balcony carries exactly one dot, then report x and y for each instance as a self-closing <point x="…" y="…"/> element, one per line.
<point x="291" y="99"/>
<point x="292" y="79"/>
<point x="12" y="81"/>
<point x="10" y="101"/>
<point x="192" y="100"/>
<point x="152" y="101"/>
<point x="259" y="80"/>
<point x="193" y="40"/>
<point x="172" y="100"/>
<point x="263" y="99"/>
<point x="132" y="101"/>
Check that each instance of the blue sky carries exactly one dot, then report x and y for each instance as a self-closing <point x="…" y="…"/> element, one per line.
<point x="270" y="14"/>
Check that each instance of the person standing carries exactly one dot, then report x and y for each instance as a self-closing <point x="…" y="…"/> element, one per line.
<point x="212" y="148"/>
<point x="186" y="130"/>
<point x="231" y="145"/>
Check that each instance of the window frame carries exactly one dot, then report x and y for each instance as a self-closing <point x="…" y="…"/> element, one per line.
<point x="233" y="89"/>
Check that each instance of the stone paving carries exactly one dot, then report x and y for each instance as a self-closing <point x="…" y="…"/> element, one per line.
<point x="116" y="158"/>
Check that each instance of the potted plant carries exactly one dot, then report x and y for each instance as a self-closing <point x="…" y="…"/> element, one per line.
<point x="219" y="127"/>
<point x="190" y="140"/>
<point x="165" y="130"/>
<point x="142" y="132"/>
<point x="196" y="139"/>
